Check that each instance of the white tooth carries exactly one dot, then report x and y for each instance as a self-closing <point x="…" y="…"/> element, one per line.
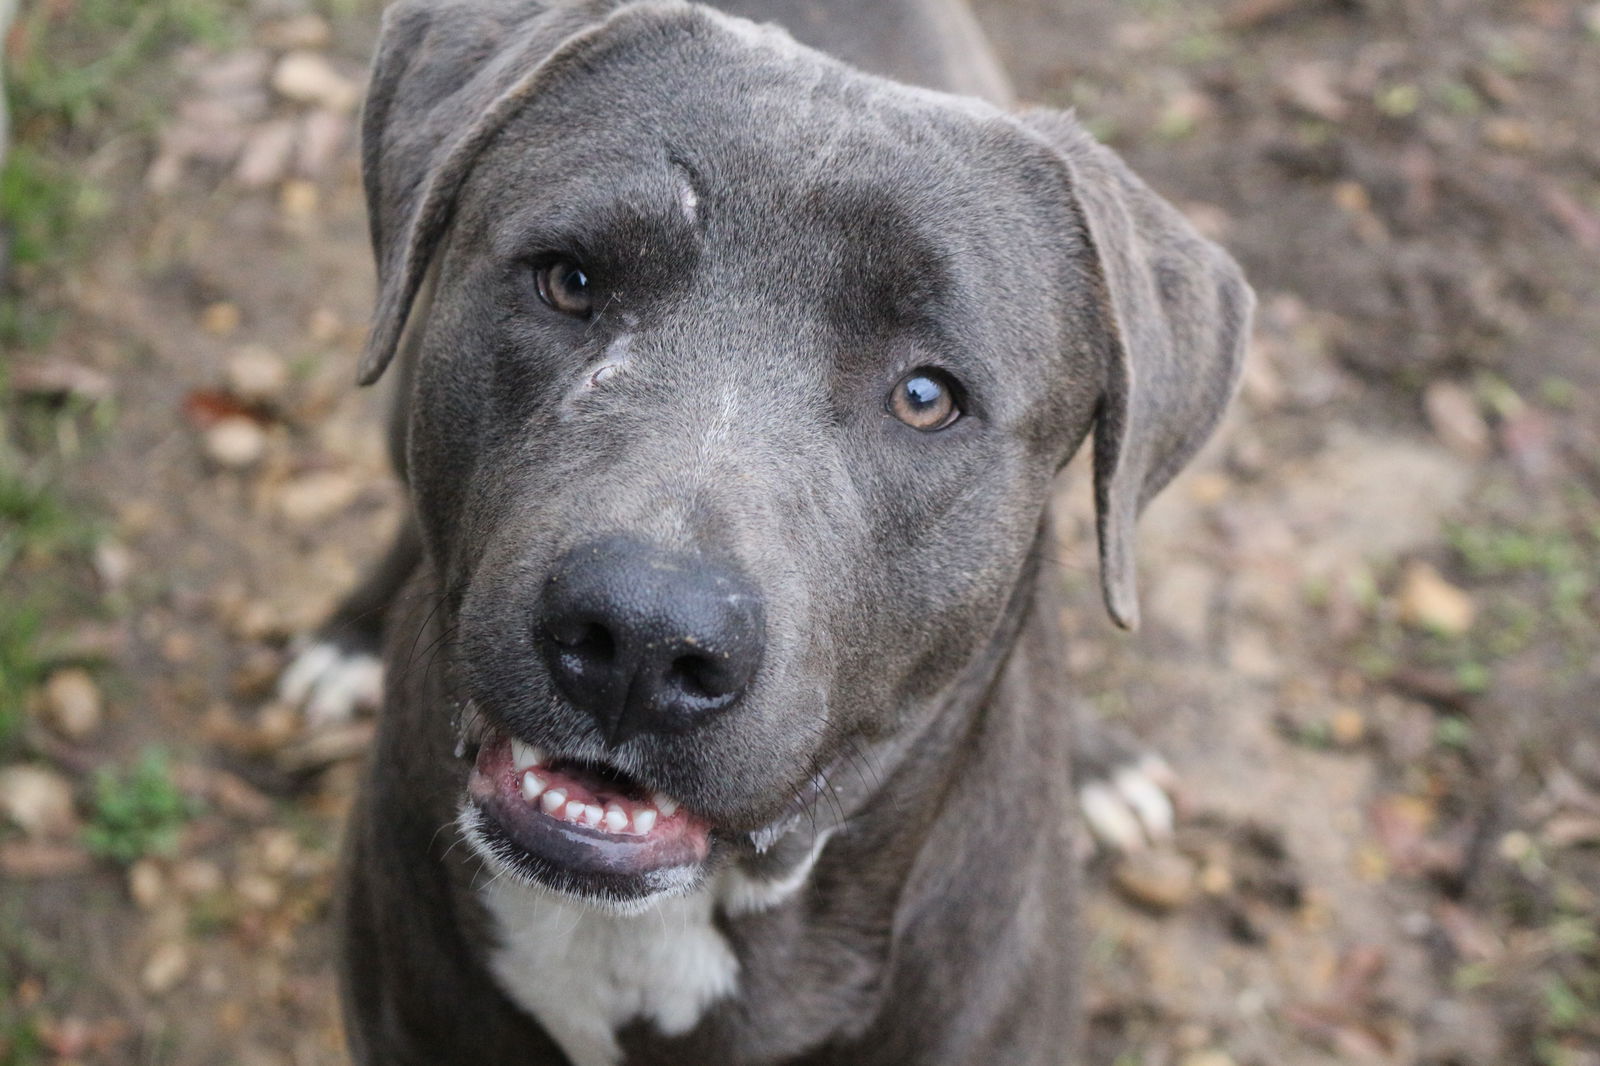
<point x="592" y="816"/>
<point x="665" y="804"/>
<point x="553" y="800"/>
<point x="522" y="755"/>
<point x="538" y="754"/>
<point x="574" y="812"/>
<point x="616" y="817"/>
<point x="644" y="821"/>
<point x="532" y="786"/>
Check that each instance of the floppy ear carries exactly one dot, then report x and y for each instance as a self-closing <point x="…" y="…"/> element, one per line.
<point x="1176" y="313"/>
<point x="448" y="75"/>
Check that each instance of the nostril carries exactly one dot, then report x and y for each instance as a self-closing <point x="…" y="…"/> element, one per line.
<point x="698" y="677"/>
<point x="586" y="640"/>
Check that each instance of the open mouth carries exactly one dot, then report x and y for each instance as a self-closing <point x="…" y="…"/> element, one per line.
<point x="581" y="827"/>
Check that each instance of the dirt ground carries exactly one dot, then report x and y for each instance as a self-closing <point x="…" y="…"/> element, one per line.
<point x="1372" y="639"/>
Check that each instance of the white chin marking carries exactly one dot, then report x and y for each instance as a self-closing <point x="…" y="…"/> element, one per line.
<point x="330" y="684"/>
<point x="1133" y="809"/>
<point x="584" y="970"/>
<point x="742" y="894"/>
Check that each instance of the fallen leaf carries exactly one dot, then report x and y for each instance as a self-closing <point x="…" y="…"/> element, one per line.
<point x="59" y="380"/>
<point x="30" y="859"/>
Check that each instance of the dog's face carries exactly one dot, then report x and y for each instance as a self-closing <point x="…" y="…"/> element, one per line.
<point x="739" y="389"/>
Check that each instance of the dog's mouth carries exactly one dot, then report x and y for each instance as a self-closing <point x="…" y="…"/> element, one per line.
<point x="583" y="828"/>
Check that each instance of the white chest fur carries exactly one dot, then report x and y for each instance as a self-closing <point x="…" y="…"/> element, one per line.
<point x="583" y="973"/>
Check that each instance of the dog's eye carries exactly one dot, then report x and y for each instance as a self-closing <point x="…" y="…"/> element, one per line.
<point x="564" y="285"/>
<point x="925" y="399"/>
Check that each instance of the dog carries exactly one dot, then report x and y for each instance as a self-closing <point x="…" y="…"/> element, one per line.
<point x="723" y="721"/>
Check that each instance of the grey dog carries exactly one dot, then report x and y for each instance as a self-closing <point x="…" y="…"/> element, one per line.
<point x="724" y="722"/>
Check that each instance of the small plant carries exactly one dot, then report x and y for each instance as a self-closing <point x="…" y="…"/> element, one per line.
<point x="19" y="665"/>
<point x="137" y="811"/>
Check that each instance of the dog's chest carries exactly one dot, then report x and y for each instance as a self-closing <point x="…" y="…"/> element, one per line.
<point x="583" y="974"/>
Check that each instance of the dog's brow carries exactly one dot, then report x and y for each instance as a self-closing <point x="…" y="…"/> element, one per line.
<point x="594" y="229"/>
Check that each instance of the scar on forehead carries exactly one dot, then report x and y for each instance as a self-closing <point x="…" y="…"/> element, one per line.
<point x="688" y="199"/>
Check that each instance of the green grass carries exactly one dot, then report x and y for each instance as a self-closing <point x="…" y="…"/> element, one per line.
<point x="21" y="957"/>
<point x="137" y="810"/>
<point x="1533" y="568"/>
<point x="38" y="529"/>
<point x="30" y="519"/>
<point x="72" y="75"/>
<point x="36" y="200"/>
<point x="20" y="668"/>
<point x="74" y="61"/>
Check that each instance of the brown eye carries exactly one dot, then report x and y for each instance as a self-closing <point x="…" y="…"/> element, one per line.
<point x="925" y="399"/>
<point x="564" y="286"/>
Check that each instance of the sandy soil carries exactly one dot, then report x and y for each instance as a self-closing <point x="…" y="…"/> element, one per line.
<point x="1372" y="647"/>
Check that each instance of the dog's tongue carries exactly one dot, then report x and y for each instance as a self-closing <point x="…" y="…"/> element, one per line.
<point x="559" y="810"/>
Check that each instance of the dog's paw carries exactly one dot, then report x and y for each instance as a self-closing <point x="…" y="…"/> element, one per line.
<point x="1129" y="806"/>
<point x="331" y="682"/>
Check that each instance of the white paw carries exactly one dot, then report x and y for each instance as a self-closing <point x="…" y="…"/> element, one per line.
<point x="1133" y="809"/>
<point x="332" y="683"/>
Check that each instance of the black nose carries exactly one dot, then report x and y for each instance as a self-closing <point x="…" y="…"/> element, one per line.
<point x="645" y="640"/>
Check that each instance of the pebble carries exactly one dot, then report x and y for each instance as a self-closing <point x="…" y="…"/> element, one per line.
<point x="257" y="374"/>
<point x="276" y="850"/>
<point x="1348" y="727"/>
<point x="324" y="326"/>
<point x="1456" y="419"/>
<point x="1252" y="654"/>
<point x="72" y="703"/>
<point x="179" y="647"/>
<point x="237" y="797"/>
<point x="235" y="443"/>
<point x="317" y="496"/>
<point x="220" y="318"/>
<point x="1428" y="601"/>
<point x="267" y="155"/>
<point x="38" y="801"/>
<point x="1181" y="598"/>
<point x="323" y="135"/>
<point x="259" y="891"/>
<point x="1207" y="489"/>
<point x="257" y="675"/>
<point x="147" y="884"/>
<point x="166" y="968"/>
<point x="1313" y="87"/>
<point x="259" y="620"/>
<point x="307" y="77"/>
<point x="113" y="564"/>
<point x="1216" y="879"/>
<point x="197" y="877"/>
<point x="299" y="199"/>
<point x="1160" y="879"/>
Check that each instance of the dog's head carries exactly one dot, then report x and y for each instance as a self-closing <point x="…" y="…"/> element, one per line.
<point x="740" y="381"/>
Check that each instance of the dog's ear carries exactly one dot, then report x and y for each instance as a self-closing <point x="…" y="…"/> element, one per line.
<point x="447" y="76"/>
<point x="1175" y="310"/>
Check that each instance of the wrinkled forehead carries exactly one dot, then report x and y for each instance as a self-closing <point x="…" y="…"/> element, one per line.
<point x="734" y="129"/>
